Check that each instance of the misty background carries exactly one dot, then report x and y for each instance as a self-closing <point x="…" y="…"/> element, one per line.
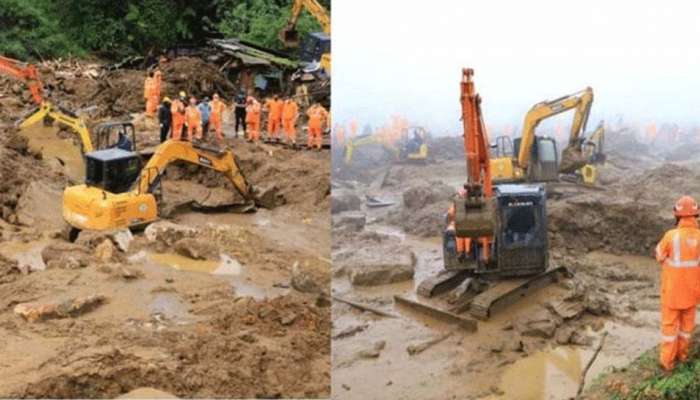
<point x="641" y="58"/>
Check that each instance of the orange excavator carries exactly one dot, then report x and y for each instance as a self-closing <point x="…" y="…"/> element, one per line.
<point x="26" y="72"/>
<point x="502" y="229"/>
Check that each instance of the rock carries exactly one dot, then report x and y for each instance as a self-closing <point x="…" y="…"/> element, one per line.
<point x="168" y="233"/>
<point x="196" y="249"/>
<point x="40" y="206"/>
<point x="288" y="319"/>
<point x="540" y="324"/>
<point x="121" y="238"/>
<point x="66" y="256"/>
<point x="18" y="143"/>
<point x="105" y="250"/>
<point x="380" y="265"/>
<point x="269" y="197"/>
<point x="566" y="309"/>
<point x="303" y="281"/>
<point x="564" y="334"/>
<point x="343" y="200"/>
<point x="354" y="221"/>
<point x="350" y="331"/>
<point x="374" y="352"/>
<point x="33" y="312"/>
<point x="147" y="393"/>
<point x="596" y="303"/>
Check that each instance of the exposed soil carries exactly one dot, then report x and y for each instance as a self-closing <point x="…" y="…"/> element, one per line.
<point x="215" y="304"/>
<point x="536" y="348"/>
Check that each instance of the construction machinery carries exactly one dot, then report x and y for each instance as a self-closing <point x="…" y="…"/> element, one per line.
<point x="26" y="72"/>
<point x="411" y="147"/>
<point x="593" y="152"/>
<point x="119" y="193"/>
<point x="533" y="158"/>
<point x="316" y="48"/>
<point x="501" y="232"/>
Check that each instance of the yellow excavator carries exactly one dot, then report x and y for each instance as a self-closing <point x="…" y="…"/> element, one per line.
<point x="411" y="148"/>
<point x="533" y="158"/>
<point x="317" y="46"/>
<point x="64" y="117"/>
<point x="119" y="193"/>
<point x="593" y="152"/>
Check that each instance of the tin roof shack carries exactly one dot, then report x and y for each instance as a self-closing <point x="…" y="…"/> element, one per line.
<point x="253" y="67"/>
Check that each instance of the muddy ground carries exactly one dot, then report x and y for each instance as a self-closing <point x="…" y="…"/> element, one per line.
<point x="534" y="349"/>
<point x="198" y="304"/>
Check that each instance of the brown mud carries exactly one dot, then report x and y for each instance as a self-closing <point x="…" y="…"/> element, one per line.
<point x="213" y="305"/>
<point x="536" y="348"/>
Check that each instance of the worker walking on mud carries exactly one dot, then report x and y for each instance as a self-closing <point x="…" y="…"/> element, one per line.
<point x="205" y="111"/>
<point x="318" y="117"/>
<point x="679" y="255"/>
<point x="216" y="118"/>
<point x="290" y="113"/>
<point x="252" y="119"/>
<point x="165" y="119"/>
<point x="178" y="112"/>
<point x="274" y="117"/>
<point x="194" y="120"/>
<point x="240" y="112"/>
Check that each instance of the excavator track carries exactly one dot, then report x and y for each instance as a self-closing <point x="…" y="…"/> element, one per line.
<point x="441" y="283"/>
<point x="508" y="291"/>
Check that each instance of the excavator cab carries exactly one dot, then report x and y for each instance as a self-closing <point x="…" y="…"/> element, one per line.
<point x="313" y="48"/>
<point x="544" y="163"/>
<point x="108" y="134"/>
<point x="113" y="170"/>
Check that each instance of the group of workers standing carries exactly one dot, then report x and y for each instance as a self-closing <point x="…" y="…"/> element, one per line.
<point x="188" y="119"/>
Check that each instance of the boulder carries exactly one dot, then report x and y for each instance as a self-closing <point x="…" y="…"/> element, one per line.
<point x="379" y="265"/>
<point x="343" y="200"/>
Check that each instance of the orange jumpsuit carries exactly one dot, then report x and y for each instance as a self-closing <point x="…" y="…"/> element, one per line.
<point x="194" y="122"/>
<point x="290" y="112"/>
<point x="464" y="245"/>
<point x="177" y="109"/>
<point x="252" y="120"/>
<point x="153" y="96"/>
<point x="274" y="118"/>
<point x="679" y="254"/>
<point x="216" y="117"/>
<point x="148" y="89"/>
<point x="317" y="117"/>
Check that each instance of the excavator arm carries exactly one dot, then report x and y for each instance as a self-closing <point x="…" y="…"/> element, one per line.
<point x="354" y="143"/>
<point x="594" y="145"/>
<point x="289" y="35"/>
<point x="26" y="72"/>
<point x="172" y="151"/>
<point x="63" y="117"/>
<point x="581" y="101"/>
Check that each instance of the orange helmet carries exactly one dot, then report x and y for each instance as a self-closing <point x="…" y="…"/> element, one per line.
<point x="686" y="207"/>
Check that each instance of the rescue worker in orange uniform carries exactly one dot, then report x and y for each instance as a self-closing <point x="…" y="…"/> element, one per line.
<point x="194" y="120"/>
<point x="274" y="117"/>
<point x="148" y="89"/>
<point x="218" y="108"/>
<point x="177" y="111"/>
<point x="154" y="94"/>
<point x="290" y="113"/>
<point x="252" y="119"/>
<point x="317" y="120"/>
<point x="679" y="255"/>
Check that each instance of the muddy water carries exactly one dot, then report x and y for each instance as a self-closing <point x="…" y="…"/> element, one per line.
<point x="65" y="151"/>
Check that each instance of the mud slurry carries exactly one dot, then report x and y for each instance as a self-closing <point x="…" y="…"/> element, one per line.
<point x="228" y="323"/>
<point x="534" y="349"/>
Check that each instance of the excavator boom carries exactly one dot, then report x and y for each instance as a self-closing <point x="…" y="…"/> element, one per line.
<point x="26" y="72"/>
<point x="63" y="117"/>
<point x="289" y="35"/>
<point x="581" y="101"/>
<point x="117" y="194"/>
<point x="476" y="149"/>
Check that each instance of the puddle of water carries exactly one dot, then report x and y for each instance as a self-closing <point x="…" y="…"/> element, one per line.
<point x="224" y="266"/>
<point x="45" y="139"/>
<point x="25" y="253"/>
<point x="169" y="305"/>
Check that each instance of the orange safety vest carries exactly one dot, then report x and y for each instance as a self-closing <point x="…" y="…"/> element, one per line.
<point x="289" y="110"/>
<point x="176" y="110"/>
<point x="194" y="117"/>
<point x="252" y="112"/>
<point x="679" y="253"/>
<point x="316" y="115"/>
<point x="148" y="87"/>
<point x="275" y="108"/>
<point x="217" y="109"/>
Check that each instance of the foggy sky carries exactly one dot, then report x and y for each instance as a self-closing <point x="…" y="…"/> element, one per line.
<point x="642" y="58"/>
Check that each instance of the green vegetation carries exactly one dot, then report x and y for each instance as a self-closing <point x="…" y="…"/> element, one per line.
<point x="45" y="29"/>
<point x="643" y="379"/>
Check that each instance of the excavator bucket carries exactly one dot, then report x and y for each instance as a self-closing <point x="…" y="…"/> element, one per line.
<point x="572" y="159"/>
<point x="289" y="36"/>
